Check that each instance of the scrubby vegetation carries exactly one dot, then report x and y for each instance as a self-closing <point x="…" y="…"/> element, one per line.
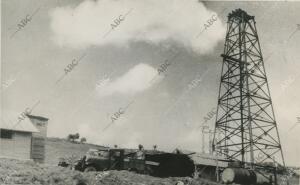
<point x="30" y="173"/>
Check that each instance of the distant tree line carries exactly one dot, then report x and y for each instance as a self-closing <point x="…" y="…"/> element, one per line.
<point x="75" y="137"/>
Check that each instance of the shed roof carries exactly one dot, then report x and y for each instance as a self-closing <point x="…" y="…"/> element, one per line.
<point x="209" y="160"/>
<point x="204" y="158"/>
<point x="38" y="117"/>
<point x="22" y="126"/>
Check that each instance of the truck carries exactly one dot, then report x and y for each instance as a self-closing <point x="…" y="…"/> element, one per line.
<point x="152" y="163"/>
<point x="111" y="159"/>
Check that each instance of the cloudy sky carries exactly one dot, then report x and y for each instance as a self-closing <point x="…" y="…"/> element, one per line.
<point x="116" y="48"/>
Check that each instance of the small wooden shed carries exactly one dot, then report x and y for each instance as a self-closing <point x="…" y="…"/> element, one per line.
<point x="24" y="140"/>
<point x="15" y="139"/>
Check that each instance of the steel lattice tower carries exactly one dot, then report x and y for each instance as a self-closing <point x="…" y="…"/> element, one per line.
<point x="245" y="128"/>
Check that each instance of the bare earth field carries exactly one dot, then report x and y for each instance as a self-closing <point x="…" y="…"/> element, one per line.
<point x="27" y="172"/>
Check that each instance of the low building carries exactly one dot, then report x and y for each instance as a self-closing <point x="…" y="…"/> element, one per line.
<point x="24" y="140"/>
<point x="15" y="139"/>
<point x="207" y="165"/>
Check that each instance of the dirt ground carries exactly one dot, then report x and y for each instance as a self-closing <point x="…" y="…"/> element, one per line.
<point x="27" y="172"/>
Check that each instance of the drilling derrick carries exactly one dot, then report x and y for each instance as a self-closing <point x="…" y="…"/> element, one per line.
<point x="245" y="128"/>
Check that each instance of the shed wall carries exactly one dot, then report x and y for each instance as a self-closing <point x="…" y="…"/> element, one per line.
<point x="41" y="126"/>
<point x="38" y="139"/>
<point x="19" y="146"/>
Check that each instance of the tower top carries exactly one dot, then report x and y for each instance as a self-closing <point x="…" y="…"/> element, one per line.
<point x="240" y="14"/>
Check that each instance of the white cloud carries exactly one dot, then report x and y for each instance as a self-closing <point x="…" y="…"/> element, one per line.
<point x="150" y="20"/>
<point x="137" y="79"/>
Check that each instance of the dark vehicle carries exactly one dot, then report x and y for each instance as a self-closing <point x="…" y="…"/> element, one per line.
<point x="171" y="165"/>
<point x="155" y="164"/>
<point x="112" y="159"/>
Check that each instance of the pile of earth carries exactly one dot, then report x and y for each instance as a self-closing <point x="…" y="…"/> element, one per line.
<point x="27" y="172"/>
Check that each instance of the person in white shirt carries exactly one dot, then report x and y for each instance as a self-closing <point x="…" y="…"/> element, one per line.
<point x="140" y="154"/>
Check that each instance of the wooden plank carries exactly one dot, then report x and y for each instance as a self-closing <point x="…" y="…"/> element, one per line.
<point x="38" y="152"/>
<point x="39" y="146"/>
<point x="38" y="156"/>
<point x="38" y="149"/>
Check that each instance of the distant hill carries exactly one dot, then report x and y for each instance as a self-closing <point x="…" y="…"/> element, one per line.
<point x="57" y="148"/>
